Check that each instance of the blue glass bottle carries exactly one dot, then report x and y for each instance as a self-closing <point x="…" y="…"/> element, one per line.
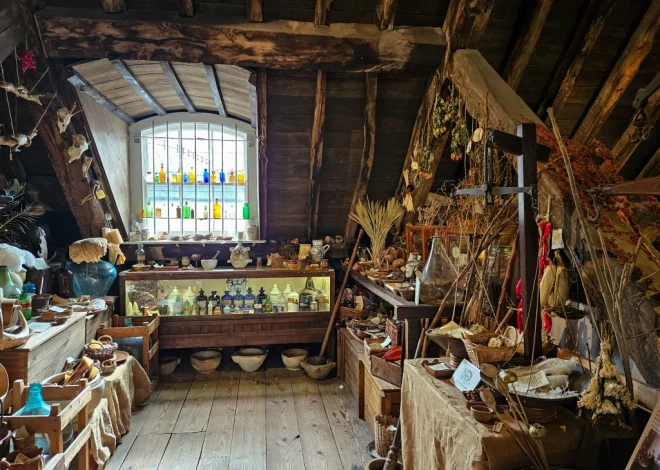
<point x="36" y="406"/>
<point x="249" y="299"/>
<point x="261" y="296"/>
<point x="226" y="301"/>
<point x="221" y="176"/>
<point x="239" y="300"/>
<point x="186" y="178"/>
<point x="206" y="175"/>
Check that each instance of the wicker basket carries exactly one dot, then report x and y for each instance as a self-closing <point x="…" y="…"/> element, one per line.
<point x="348" y="312"/>
<point x="368" y="342"/>
<point x="107" y="351"/>
<point x="481" y="354"/>
<point x="395" y="331"/>
<point x="384" y="437"/>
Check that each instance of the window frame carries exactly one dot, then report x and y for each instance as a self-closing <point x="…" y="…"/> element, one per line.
<point x="138" y="165"/>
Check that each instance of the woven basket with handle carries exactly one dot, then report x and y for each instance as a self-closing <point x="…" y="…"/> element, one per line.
<point x="384" y="436"/>
<point x="481" y="354"/>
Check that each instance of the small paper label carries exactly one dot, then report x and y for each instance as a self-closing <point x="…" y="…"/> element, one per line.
<point x="386" y="343"/>
<point x="557" y="239"/>
<point x="531" y="382"/>
<point x="440" y="366"/>
<point x="497" y="427"/>
<point x="467" y="376"/>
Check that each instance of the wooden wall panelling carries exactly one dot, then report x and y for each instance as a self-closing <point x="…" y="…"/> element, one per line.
<point x="621" y="75"/>
<point x="367" y="160"/>
<point x="193" y="80"/>
<point x="137" y="86"/>
<point x="273" y="44"/>
<point x="583" y="41"/>
<point x="11" y="29"/>
<point x="83" y="85"/>
<point x="316" y="154"/>
<point x="522" y="52"/>
<point x="385" y="13"/>
<point x="255" y="10"/>
<point x="262" y="133"/>
<point x="212" y="78"/>
<point x="178" y="88"/>
<point x="114" y="6"/>
<point x="185" y="7"/>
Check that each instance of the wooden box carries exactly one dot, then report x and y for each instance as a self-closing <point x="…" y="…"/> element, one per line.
<point x="349" y="353"/>
<point x="378" y="397"/>
<point x="144" y="327"/>
<point x="388" y="371"/>
<point x="45" y="353"/>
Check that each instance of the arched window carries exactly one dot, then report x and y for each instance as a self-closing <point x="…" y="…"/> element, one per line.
<point x="194" y="174"/>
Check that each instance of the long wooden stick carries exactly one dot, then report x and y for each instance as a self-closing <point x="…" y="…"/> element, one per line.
<point x="340" y="294"/>
<point x="507" y="280"/>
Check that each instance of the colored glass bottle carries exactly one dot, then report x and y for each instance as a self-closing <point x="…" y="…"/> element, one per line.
<point x="268" y="307"/>
<point x="140" y="254"/>
<point x="178" y="175"/>
<point x="214" y="301"/>
<point x="201" y="304"/>
<point x="206" y="175"/>
<point x="246" y="211"/>
<point x="191" y="175"/>
<point x="206" y="212"/>
<point x="36" y="406"/>
<point x="149" y="210"/>
<point x="26" y="304"/>
<point x="261" y="296"/>
<point x="227" y="300"/>
<point x="188" y="301"/>
<point x="178" y="211"/>
<point x="156" y="177"/>
<point x="159" y="212"/>
<point x="232" y="178"/>
<point x="239" y="300"/>
<point x="161" y="174"/>
<point x="10" y="289"/>
<point x="186" y="211"/>
<point x="221" y="176"/>
<point x="186" y="178"/>
<point x="214" y="177"/>
<point x="249" y="299"/>
<point x="240" y="176"/>
<point x="64" y="278"/>
<point x="217" y="210"/>
<point x="173" y="178"/>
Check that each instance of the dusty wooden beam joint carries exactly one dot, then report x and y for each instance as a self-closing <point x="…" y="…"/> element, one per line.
<point x="321" y="12"/>
<point x="114" y="6"/>
<point x="255" y="11"/>
<point x="465" y="22"/>
<point x="185" y="7"/>
<point x="385" y="13"/>
<point x="83" y="85"/>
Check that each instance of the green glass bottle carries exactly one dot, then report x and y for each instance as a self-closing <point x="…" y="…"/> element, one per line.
<point x="26" y="304"/>
<point x="186" y="211"/>
<point x="246" y="211"/>
<point x="9" y="289"/>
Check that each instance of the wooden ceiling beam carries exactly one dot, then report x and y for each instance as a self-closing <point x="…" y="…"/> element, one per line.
<point x="216" y="91"/>
<point x="368" y="150"/>
<point x="130" y="78"/>
<point x="621" y="75"/>
<point x="321" y="10"/>
<point x="173" y="78"/>
<point x="465" y="23"/>
<point x="262" y="136"/>
<point x="316" y="155"/>
<point x="624" y="147"/>
<point x="12" y="32"/>
<point x="255" y="11"/>
<point x="385" y="13"/>
<point x="185" y="8"/>
<point x="526" y="43"/>
<point x="652" y="168"/>
<point x="114" y="6"/>
<point x="153" y="35"/>
<point x="252" y="96"/>
<point x="81" y="83"/>
<point x="569" y="68"/>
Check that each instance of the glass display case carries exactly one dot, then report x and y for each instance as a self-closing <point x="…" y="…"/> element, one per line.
<point x="232" y="307"/>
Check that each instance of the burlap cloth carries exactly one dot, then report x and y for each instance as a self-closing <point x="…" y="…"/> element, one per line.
<point x="438" y="431"/>
<point x="125" y="389"/>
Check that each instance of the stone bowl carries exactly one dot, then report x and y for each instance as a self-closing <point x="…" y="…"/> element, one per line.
<point x="317" y="367"/>
<point x="378" y="464"/>
<point x="249" y="359"/>
<point x="293" y="357"/>
<point x="167" y="365"/>
<point x="205" y="362"/>
<point x="209" y="264"/>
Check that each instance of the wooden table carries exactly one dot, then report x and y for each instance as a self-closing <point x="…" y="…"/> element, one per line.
<point x="45" y="353"/>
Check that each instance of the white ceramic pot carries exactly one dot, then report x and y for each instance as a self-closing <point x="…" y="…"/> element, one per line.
<point x="209" y="264"/>
<point x="293" y="357"/>
<point x="249" y="359"/>
<point x="97" y="385"/>
<point x="205" y="362"/>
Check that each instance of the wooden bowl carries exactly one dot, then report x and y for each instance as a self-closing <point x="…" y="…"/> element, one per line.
<point x="482" y="413"/>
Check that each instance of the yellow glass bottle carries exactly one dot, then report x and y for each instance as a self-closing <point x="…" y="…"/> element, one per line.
<point x="232" y="177"/>
<point x="178" y="176"/>
<point x="161" y="174"/>
<point x="240" y="177"/>
<point x="191" y="175"/>
<point x="214" y="177"/>
<point x="217" y="210"/>
<point x="173" y="178"/>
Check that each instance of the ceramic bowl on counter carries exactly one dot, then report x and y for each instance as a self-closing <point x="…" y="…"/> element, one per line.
<point x="249" y="359"/>
<point x="205" y="362"/>
<point x="292" y="358"/>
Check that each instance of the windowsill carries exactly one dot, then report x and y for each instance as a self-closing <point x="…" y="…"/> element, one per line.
<point x="193" y="242"/>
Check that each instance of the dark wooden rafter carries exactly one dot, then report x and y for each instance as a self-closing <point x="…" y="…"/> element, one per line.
<point x="262" y="133"/>
<point x="526" y="43"/>
<point x="214" y="84"/>
<point x="321" y="12"/>
<point x="130" y="78"/>
<point x="652" y="168"/>
<point x="584" y="38"/>
<point x="316" y="154"/>
<point x="367" y="160"/>
<point x="465" y="23"/>
<point x="621" y="75"/>
<point x="173" y="78"/>
<point x="252" y="96"/>
<point x="11" y="29"/>
<point x="81" y="83"/>
<point x="624" y="147"/>
<point x="255" y="10"/>
<point x="185" y="7"/>
<point x="385" y="13"/>
<point x="114" y="6"/>
<point x="153" y="35"/>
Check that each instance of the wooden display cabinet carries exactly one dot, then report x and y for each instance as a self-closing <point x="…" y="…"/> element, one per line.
<point x="208" y="331"/>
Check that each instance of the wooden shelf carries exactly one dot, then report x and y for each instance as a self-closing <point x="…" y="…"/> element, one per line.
<point x="143" y="327"/>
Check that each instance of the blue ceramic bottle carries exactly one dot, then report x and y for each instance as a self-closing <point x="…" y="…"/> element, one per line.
<point x="227" y="301"/>
<point x="239" y="300"/>
<point x="36" y="406"/>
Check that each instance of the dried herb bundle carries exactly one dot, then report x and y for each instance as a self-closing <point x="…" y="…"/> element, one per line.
<point x="16" y="218"/>
<point x="377" y="218"/>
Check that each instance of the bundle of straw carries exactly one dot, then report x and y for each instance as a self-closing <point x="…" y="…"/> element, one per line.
<point x="377" y="219"/>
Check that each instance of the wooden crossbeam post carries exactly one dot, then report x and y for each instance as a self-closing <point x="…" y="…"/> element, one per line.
<point x="83" y="85"/>
<point x="316" y="154"/>
<point x="385" y="13"/>
<point x="255" y="10"/>
<point x="173" y="78"/>
<point x="127" y="74"/>
<point x="185" y="7"/>
<point x="321" y="12"/>
<point x="367" y="160"/>
<point x="212" y="78"/>
<point x="114" y="6"/>
<point x="621" y="75"/>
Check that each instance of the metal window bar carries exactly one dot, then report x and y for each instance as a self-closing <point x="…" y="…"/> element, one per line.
<point x="196" y="179"/>
<point x="183" y="170"/>
<point x="236" y="179"/>
<point x="167" y="172"/>
<point x="153" y="175"/>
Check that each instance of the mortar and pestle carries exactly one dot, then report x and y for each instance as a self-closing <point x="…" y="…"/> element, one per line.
<point x="318" y="367"/>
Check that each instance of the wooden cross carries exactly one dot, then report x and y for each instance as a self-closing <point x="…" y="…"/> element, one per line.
<point x="528" y="154"/>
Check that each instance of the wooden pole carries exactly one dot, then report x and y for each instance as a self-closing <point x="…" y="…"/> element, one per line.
<point x="316" y="155"/>
<point x="507" y="280"/>
<point x="335" y="308"/>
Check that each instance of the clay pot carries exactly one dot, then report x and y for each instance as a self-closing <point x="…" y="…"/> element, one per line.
<point x="378" y="464"/>
<point x="40" y="301"/>
<point x="205" y="362"/>
<point x="292" y="358"/>
<point x="249" y="359"/>
<point x="317" y="367"/>
<point x="168" y="364"/>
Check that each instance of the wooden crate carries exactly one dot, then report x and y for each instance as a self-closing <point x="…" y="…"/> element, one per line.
<point x="94" y="322"/>
<point x="53" y="425"/>
<point x="45" y="353"/>
<point x="143" y="327"/>
<point x="350" y="351"/>
<point x="377" y="397"/>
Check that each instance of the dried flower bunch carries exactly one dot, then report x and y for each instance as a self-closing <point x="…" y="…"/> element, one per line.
<point x="16" y="218"/>
<point x="606" y="397"/>
<point x="377" y="218"/>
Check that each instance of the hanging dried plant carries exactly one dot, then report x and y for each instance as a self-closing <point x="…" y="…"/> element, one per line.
<point x="16" y="218"/>
<point x="377" y="218"/>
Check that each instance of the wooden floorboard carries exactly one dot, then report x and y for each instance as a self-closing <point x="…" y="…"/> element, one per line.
<point x="318" y="444"/>
<point x="233" y="420"/>
<point x="283" y="447"/>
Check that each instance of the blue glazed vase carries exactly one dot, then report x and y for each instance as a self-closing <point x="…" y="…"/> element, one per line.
<point x="93" y="279"/>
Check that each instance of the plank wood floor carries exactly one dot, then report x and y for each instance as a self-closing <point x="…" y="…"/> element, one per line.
<point x="271" y="419"/>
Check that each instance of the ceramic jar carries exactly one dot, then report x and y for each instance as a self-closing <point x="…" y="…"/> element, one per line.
<point x="252" y="231"/>
<point x="318" y="250"/>
<point x="239" y="257"/>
